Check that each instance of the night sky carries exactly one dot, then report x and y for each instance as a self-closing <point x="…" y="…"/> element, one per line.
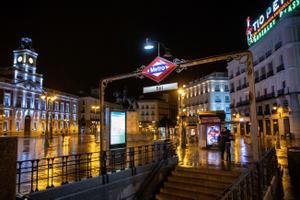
<point x="78" y="43"/>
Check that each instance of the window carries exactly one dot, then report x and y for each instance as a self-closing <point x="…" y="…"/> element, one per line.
<point x="270" y="67"/>
<point x="273" y="89"/>
<point x="56" y="116"/>
<point x="43" y="105"/>
<point x="226" y="88"/>
<point x="283" y="84"/>
<point x="227" y="99"/>
<point x="74" y="108"/>
<point x="281" y="60"/>
<point x="62" y="107"/>
<point x="44" y="116"/>
<point x="67" y="107"/>
<point x="217" y="87"/>
<point x="17" y="126"/>
<point x="6" y="100"/>
<point x="61" y="116"/>
<point x="67" y="117"/>
<point x="61" y="125"/>
<point x="227" y="109"/>
<point x="74" y="117"/>
<point x="5" y="126"/>
<point x="218" y="99"/>
<point x="6" y="113"/>
<point x="35" y="125"/>
<point x="56" y="106"/>
<point x="265" y="91"/>
<point x="43" y="126"/>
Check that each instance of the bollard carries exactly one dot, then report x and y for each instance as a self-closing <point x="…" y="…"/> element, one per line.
<point x="8" y="154"/>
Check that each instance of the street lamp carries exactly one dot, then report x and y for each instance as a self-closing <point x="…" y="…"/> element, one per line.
<point x="149" y="45"/>
<point x="48" y="98"/>
<point x="95" y="108"/>
<point x="182" y="111"/>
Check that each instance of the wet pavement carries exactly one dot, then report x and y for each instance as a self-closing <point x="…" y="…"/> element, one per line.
<point x="193" y="155"/>
<point x="241" y="155"/>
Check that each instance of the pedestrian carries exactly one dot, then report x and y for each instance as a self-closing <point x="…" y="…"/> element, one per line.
<point x="222" y="142"/>
<point x="228" y="144"/>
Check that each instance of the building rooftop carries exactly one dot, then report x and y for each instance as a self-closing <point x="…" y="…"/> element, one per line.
<point x="212" y="76"/>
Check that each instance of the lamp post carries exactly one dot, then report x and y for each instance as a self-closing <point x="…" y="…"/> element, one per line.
<point x="182" y="110"/>
<point x="278" y="109"/>
<point x="95" y="108"/>
<point x="47" y="99"/>
<point x="149" y="45"/>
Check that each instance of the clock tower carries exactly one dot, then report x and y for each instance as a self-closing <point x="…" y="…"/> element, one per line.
<point x="24" y="66"/>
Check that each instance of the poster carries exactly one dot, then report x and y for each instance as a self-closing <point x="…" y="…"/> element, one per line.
<point x="117" y="128"/>
<point x="212" y="132"/>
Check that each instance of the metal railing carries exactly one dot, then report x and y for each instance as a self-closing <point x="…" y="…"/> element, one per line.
<point x="254" y="182"/>
<point x="40" y="174"/>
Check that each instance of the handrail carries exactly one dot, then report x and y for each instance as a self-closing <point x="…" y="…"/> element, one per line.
<point x="40" y="174"/>
<point x="255" y="180"/>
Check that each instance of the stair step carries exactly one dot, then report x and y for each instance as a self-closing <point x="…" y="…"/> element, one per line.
<point x="186" y="194"/>
<point x="199" y="182"/>
<point x="222" y="179"/>
<point x="194" y="188"/>
<point x="211" y="171"/>
<point x="165" y="196"/>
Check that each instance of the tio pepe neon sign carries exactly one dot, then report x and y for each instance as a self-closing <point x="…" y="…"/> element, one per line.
<point x="265" y="22"/>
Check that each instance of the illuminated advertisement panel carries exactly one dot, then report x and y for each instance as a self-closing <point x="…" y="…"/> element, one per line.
<point x="259" y="27"/>
<point x="117" y="128"/>
<point x="212" y="133"/>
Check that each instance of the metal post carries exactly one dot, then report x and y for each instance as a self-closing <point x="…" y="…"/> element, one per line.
<point x="158" y="49"/>
<point x="101" y="101"/>
<point x="252" y="101"/>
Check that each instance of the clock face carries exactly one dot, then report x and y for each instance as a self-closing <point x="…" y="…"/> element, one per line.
<point x="20" y="58"/>
<point x="30" y="60"/>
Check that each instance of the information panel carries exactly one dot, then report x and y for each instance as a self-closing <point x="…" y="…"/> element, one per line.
<point x="213" y="132"/>
<point x="117" y="128"/>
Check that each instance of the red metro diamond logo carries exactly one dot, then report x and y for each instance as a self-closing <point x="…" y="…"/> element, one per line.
<point x="158" y="69"/>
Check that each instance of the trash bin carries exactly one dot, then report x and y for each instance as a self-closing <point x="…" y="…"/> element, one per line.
<point x="294" y="164"/>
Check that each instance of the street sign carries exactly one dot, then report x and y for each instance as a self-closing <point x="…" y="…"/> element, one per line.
<point x="159" y="88"/>
<point x="158" y="69"/>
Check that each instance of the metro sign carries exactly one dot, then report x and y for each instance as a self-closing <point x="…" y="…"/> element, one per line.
<point x="158" y="69"/>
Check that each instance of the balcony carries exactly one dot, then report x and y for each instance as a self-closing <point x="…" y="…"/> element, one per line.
<point x="278" y="45"/>
<point x="256" y="79"/>
<point x="280" y="68"/>
<point x="280" y="92"/>
<point x="231" y="105"/>
<point x="262" y="58"/>
<point x="268" y="53"/>
<point x="244" y="85"/>
<point x="238" y="73"/>
<point x="232" y="90"/>
<point x="231" y="76"/>
<point x="238" y="88"/>
<point x="270" y="73"/>
<point x="262" y="77"/>
<point x="242" y="103"/>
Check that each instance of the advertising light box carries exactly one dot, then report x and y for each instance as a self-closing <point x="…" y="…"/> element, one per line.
<point x="212" y="132"/>
<point x="117" y="128"/>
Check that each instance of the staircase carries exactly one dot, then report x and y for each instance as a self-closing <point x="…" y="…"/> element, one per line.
<point x="188" y="183"/>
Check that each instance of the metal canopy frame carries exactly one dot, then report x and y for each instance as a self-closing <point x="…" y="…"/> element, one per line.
<point x="243" y="57"/>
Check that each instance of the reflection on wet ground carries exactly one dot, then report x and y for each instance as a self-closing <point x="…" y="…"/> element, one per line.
<point x="241" y="155"/>
<point x="66" y="159"/>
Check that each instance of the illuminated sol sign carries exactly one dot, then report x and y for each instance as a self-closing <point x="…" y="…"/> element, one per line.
<point x="265" y="22"/>
<point x="158" y="69"/>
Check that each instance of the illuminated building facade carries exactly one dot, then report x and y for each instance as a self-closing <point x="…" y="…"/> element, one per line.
<point x="23" y="108"/>
<point x="210" y="93"/>
<point x="274" y="43"/>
